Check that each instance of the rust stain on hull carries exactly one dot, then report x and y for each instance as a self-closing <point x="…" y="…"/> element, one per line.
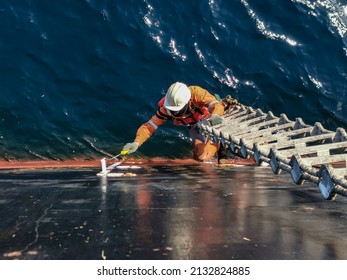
<point x="83" y="163"/>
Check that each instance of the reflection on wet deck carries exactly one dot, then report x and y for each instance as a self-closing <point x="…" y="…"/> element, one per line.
<point x="188" y="212"/>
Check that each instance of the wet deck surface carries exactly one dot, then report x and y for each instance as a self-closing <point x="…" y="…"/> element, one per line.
<point x="177" y="212"/>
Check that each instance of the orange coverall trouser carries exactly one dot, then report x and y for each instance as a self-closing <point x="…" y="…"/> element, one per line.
<point x="203" y="149"/>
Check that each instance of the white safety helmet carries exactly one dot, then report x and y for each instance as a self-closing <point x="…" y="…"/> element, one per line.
<point x="177" y="96"/>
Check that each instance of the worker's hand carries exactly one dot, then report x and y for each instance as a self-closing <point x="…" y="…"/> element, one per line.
<point x="215" y="119"/>
<point x="130" y="147"/>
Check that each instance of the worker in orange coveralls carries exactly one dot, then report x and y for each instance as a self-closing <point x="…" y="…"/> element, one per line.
<point x="185" y="106"/>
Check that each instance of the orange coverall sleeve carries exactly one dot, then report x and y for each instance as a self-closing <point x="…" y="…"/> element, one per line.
<point x="203" y="98"/>
<point x="146" y="130"/>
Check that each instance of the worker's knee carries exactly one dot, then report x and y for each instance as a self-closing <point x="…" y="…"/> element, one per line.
<point x="204" y="151"/>
<point x="199" y="158"/>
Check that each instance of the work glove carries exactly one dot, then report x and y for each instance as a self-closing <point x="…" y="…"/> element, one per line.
<point x="230" y="101"/>
<point x="215" y="119"/>
<point x="130" y="147"/>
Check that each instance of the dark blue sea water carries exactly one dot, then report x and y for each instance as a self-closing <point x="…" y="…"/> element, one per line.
<point x="79" y="77"/>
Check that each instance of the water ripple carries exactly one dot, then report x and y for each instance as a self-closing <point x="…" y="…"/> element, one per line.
<point x="335" y="12"/>
<point x="79" y="77"/>
<point x="263" y="29"/>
